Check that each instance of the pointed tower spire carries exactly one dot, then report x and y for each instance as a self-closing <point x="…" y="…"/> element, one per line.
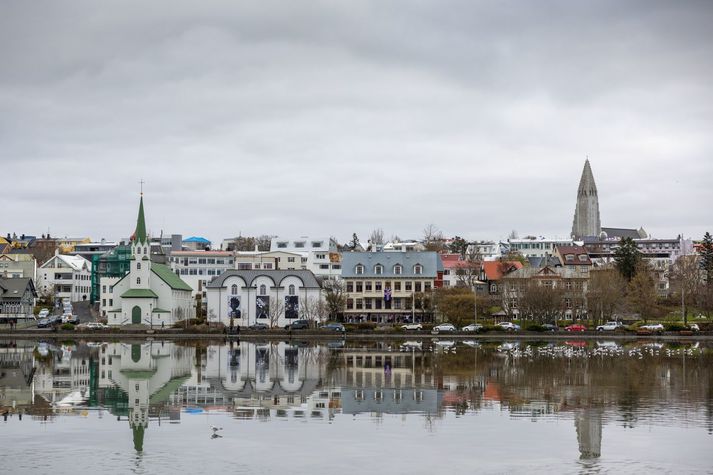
<point x="140" y="234"/>
<point x="586" y="215"/>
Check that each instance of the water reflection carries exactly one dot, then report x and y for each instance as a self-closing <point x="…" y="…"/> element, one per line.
<point x="592" y="384"/>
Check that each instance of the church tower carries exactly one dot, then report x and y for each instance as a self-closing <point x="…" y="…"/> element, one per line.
<point x="140" y="253"/>
<point x="586" y="215"/>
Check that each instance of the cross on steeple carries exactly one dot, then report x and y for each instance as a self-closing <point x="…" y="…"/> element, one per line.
<point x="141" y="184"/>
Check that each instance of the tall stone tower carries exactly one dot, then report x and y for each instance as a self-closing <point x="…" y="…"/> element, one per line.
<point x="586" y="215"/>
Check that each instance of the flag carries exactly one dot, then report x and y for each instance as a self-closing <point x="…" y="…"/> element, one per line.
<point x="387" y="293"/>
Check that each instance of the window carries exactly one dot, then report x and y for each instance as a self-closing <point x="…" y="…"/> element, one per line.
<point x="350" y="286"/>
<point x="299" y="244"/>
<point x="418" y="286"/>
<point x="263" y="290"/>
<point x="320" y="256"/>
<point x="398" y="269"/>
<point x="378" y="269"/>
<point x="359" y="304"/>
<point x="316" y="243"/>
<point x="377" y="286"/>
<point x="367" y="304"/>
<point x="427" y="287"/>
<point x="290" y="259"/>
<point x="103" y="288"/>
<point x="350" y="304"/>
<point x="138" y="265"/>
<point x="291" y="290"/>
<point x="408" y="286"/>
<point x="418" y="269"/>
<point x="583" y="258"/>
<point x="367" y="286"/>
<point x="569" y="257"/>
<point x="281" y="244"/>
<point x="234" y="289"/>
<point x="358" y="287"/>
<point x="138" y="280"/>
<point x="397" y="286"/>
<point x="359" y="269"/>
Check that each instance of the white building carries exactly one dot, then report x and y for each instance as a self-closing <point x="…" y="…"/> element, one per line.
<point x="275" y="298"/>
<point x="532" y="246"/>
<point x="197" y="268"/>
<point x="66" y="277"/>
<point x="318" y="255"/>
<point x="269" y="260"/>
<point x="151" y="293"/>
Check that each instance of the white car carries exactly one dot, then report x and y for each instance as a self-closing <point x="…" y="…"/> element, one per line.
<point x="694" y="327"/>
<point x="509" y="326"/>
<point x="652" y="327"/>
<point x="97" y="326"/>
<point x="610" y="326"/>
<point x="44" y="313"/>
<point x="473" y="327"/>
<point x="412" y="326"/>
<point x="444" y="327"/>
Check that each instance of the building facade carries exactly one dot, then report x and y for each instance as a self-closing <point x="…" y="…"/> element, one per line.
<point x="273" y="297"/>
<point x="17" y="298"/>
<point x="390" y="287"/>
<point x="319" y="255"/>
<point x="65" y="277"/>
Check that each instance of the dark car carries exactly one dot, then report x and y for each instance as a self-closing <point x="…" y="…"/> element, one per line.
<point x="548" y="327"/>
<point x="335" y="327"/>
<point x="298" y="325"/>
<point x="259" y="326"/>
<point x="43" y="323"/>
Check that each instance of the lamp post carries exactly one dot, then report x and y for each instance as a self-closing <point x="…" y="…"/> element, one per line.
<point x="475" y="299"/>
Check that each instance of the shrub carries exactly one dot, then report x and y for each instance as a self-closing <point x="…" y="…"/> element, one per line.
<point x="534" y="327"/>
<point x="67" y="326"/>
<point x="675" y="327"/>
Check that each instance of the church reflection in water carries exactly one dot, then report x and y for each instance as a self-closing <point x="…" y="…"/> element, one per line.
<point x="155" y="382"/>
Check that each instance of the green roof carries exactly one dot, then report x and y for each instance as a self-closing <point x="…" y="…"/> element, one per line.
<point x="140" y="233"/>
<point x="139" y="294"/>
<point x="170" y="277"/>
<point x="169" y="388"/>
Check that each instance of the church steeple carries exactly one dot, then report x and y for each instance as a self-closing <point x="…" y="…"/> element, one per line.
<point x="140" y="234"/>
<point x="586" y="215"/>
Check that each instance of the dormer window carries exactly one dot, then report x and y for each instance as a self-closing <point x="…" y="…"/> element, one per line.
<point x="569" y="257"/>
<point x="583" y="257"/>
<point x="378" y="269"/>
<point x="398" y="269"/>
<point x="281" y="244"/>
<point x="317" y="243"/>
<point x="299" y="244"/>
<point x="418" y="269"/>
<point x="359" y="269"/>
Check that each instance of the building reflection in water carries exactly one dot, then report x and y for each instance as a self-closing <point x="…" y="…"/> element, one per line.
<point x="149" y="382"/>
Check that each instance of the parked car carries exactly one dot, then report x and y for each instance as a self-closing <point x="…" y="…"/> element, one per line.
<point x="694" y="327"/>
<point x="335" y="327"/>
<point x="44" y="323"/>
<point x="70" y="318"/>
<point x="473" y="327"/>
<point x="652" y="327"/>
<point x="444" y="327"/>
<point x="412" y="326"/>
<point x="298" y="325"/>
<point x="44" y="313"/>
<point x="610" y="326"/>
<point x="509" y="326"/>
<point x="548" y="327"/>
<point x="575" y="327"/>
<point x="97" y="326"/>
<point x="259" y="326"/>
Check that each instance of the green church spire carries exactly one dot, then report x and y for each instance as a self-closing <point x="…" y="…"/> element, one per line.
<point x="140" y="234"/>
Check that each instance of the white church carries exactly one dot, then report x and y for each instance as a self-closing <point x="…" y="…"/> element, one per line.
<point x="150" y="294"/>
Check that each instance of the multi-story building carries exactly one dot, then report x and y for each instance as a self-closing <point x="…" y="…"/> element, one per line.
<point x="65" y="277"/>
<point x="18" y="265"/>
<point x="273" y="297"/>
<point x="572" y="283"/>
<point x="17" y="297"/>
<point x="269" y="260"/>
<point x="532" y="246"/>
<point x="319" y="255"/>
<point x="197" y="268"/>
<point x="389" y="287"/>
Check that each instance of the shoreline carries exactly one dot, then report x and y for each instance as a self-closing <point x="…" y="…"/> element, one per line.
<point x="320" y="336"/>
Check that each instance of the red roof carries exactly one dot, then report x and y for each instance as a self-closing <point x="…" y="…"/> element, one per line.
<point x="494" y="270"/>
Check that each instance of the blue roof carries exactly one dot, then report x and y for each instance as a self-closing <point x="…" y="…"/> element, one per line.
<point x="430" y="261"/>
<point x="199" y="239"/>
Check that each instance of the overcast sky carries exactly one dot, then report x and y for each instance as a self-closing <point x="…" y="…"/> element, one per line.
<point x="327" y="118"/>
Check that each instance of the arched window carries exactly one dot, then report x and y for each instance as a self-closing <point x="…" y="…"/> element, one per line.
<point x="418" y="269"/>
<point x="263" y="290"/>
<point x="234" y="289"/>
<point x="398" y="269"/>
<point x="378" y="269"/>
<point x="138" y="265"/>
<point x="138" y="280"/>
<point x="138" y="250"/>
<point x="359" y="269"/>
<point x="291" y="290"/>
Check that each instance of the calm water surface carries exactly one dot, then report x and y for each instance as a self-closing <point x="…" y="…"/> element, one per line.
<point x="421" y="406"/>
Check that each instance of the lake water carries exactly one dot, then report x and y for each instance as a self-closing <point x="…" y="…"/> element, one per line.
<point x="409" y="407"/>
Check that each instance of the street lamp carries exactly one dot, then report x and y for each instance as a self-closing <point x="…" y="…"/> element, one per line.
<point x="475" y="299"/>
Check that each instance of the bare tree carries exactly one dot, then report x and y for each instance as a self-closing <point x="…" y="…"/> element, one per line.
<point x="641" y="294"/>
<point x="377" y="237"/>
<point x="541" y="301"/>
<point x="469" y="269"/>
<point x="275" y="311"/>
<point x="314" y="310"/>
<point x="335" y="297"/>
<point x="605" y="293"/>
<point x="687" y="279"/>
<point x="433" y="238"/>
<point x="513" y="234"/>
<point x="263" y="242"/>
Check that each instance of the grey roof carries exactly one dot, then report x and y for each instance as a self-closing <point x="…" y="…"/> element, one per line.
<point x="622" y="233"/>
<point x="15" y="287"/>
<point x="542" y="261"/>
<point x="306" y="276"/>
<point x="528" y="272"/>
<point x="430" y="261"/>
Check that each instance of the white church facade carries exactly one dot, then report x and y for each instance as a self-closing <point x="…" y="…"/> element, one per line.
<point x="150" y="294"/>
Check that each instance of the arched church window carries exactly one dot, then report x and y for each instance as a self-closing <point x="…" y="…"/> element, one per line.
<point x="291" y="289"/>
<point x="234" y="289"/>
<point x="138" y="280"/>
<point x="138" y="265"/>
<point x="263" y="290"/>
